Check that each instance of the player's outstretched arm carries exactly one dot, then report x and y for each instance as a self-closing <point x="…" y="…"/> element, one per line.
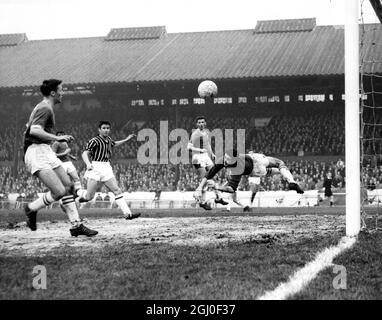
<point x="85" y="158"/>
<point x="39" y="132"/>
<point x="129" y="137"/>
<point x="66" y="152"/>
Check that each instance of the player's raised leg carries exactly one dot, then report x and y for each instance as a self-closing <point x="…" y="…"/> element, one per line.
<point x="69" y="206"/>
<point x="285" y="173"/>
<point x="56" y="191"/>
<point x="201" y="195"/>
<point x="86" y="195"/>
<point x="112" y="185"/>
<point x="72" y="173"/>
<point x="218" y="198"/>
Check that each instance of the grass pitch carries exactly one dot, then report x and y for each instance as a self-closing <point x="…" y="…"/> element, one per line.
<point x="184" y="254"/>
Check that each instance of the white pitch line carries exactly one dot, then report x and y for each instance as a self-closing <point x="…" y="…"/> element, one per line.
<point x="301" y="278"/>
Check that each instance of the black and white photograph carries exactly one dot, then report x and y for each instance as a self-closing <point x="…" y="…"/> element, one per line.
<point x="209" y="152"/>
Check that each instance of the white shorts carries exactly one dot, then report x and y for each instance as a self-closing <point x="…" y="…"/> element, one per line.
<point x="254" y="180"/>
<point x="41" y="157"/>
<point x="202" y="160"/>
<point x="102" y="171"/>
<point x="68" y="166"/>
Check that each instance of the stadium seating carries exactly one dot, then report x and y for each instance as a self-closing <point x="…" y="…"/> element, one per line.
<point x="318" y="133"/>
<point x="286" y="134"/>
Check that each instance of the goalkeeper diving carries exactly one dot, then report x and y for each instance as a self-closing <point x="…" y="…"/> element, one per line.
<point x="249" y="164"/>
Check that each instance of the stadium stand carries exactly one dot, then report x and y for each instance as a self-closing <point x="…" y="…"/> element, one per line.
<point x="287" y="96"/>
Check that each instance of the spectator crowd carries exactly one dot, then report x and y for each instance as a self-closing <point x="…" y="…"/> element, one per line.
<point x="284" y="135"/>
<point x="136" y="177"/>
<point x="322" y="134"/>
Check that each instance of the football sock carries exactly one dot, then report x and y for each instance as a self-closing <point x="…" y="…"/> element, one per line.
<point x="41" y="202"/>
<point x="122" y="204"/>
<point x="70" y="208"/>
<point x="287" y="175"/>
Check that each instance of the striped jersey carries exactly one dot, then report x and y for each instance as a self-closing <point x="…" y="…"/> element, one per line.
<point x="100" y="148"/>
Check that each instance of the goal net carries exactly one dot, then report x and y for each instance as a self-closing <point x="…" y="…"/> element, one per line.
<point x="370" y="39"/>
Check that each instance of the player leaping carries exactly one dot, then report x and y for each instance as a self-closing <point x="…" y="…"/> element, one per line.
<point x="202" y="153"/>
<point x="256" y="164"/>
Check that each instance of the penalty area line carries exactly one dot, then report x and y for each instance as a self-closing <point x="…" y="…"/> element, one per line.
<point x="301" y="278"/>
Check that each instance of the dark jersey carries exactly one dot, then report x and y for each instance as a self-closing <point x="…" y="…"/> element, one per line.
<point x="200" y="139"/>
<point x="328" y="187"/>
<point x="100" y="149"/>
<point x="43" y="116"/>
<point x="243" y="167"/>
<point x="60" y="147"/>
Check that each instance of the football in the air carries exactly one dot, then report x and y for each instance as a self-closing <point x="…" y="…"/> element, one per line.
<point x="207" y="89"/>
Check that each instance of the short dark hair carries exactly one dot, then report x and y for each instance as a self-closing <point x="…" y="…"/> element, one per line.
<point x="60" y="132"/>
<point x="200" y="118"/>
<point x="101" y="123"/>
<point x="48" y="86"/>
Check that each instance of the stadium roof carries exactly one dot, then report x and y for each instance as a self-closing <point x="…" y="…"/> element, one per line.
<point x="279" y="48"/>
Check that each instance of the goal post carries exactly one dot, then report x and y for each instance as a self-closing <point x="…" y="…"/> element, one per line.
<point x="352" y="120"/>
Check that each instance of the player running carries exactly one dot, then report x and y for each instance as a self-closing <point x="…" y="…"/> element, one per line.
<point x="97" y="157"/>
<point x="43" y="163"/>
<point x="256" y="164"/>
<point x="202" y="156"/>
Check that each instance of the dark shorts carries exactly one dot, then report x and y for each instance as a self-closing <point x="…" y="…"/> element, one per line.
<point x="233" y="181"/>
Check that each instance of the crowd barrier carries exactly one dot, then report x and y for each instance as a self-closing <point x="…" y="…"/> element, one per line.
<point x="181" y="200"/>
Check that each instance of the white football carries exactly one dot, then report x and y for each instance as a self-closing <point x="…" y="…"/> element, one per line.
<point x="207" y="89"/>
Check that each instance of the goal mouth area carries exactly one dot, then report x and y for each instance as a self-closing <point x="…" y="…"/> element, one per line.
<point x="371" y="120"/>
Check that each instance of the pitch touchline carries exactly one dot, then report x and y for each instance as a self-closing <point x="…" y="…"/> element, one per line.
<point x="301" y="278"/>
